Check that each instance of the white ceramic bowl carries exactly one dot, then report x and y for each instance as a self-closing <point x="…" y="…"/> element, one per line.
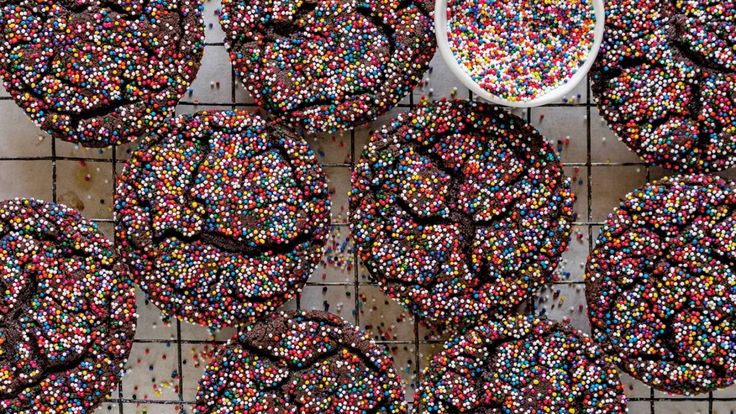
<point x="440" y="25"/>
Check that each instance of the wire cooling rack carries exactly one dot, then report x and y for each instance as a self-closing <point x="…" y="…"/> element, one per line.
<point x="169" y="356"/>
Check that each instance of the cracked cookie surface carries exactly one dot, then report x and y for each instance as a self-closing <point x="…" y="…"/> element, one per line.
<point x="665" y="80"/>
<point x="67" y="312"/>
<point x="99" y="72"/>
<point x="520" y="365"/>
<point x="305" y="362"/>
<point x="325" y="65"/>
<point x="222" y="216"/>
<point x="661" y="283"/>
<point x="459" y="209"/>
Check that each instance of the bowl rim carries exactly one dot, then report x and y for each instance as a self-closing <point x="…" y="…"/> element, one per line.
<point x="440" y="25"/>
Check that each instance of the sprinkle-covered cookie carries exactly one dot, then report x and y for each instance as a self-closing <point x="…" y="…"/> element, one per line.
<point x="326" y="65"/>
<point x="67" y="311"/>
<point x="459" y="209"/>
<point x="303" y="362"/>
<point x="520" y="365"/>
<point x="665" y="80"/>
<point x="661" y="284"/>
<point x="222" y="216"/>
<point x="96" y="72"/>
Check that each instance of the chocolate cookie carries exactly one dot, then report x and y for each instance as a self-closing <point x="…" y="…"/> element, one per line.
<point x="661" y="284"/>
<point x="520" y="365"/>
<point x="67" y="312"/>
<point x="326" y="65"/>
<point x="222" y="216"/>
<point x="301" y="362"/>
<point x="99" y="73"/>
<point x="665" y="80"/>
<point x="459" y="209"/>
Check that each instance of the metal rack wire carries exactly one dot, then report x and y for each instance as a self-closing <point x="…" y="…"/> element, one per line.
<point x="418" y="343"/>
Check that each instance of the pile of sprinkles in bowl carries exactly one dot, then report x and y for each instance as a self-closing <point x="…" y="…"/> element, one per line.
<point x="520" y="50"/>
